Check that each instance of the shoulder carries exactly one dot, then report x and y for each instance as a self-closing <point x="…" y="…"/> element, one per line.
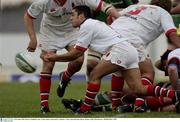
<point x="89" y="23"/>
<point x="163" y="11"/>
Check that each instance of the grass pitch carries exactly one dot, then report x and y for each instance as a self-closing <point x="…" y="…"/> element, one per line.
<point x="22" y="100"/>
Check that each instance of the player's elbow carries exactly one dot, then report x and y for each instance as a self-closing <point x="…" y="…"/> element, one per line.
<point x="109" y="10"/>
<point x="174" y="39"/>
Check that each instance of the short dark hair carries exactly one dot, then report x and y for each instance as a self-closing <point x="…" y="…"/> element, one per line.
<point x="82" y="9"/>
<point x="165" y="4"/>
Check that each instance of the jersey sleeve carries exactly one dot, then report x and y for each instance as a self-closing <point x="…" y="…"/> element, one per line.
<point x="36" y="8"/>
<point x="167" y="23"/>
<point x="85" y="38"/>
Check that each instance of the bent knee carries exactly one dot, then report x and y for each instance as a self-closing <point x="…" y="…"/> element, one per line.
<point x="91" y="64"/>
<point x="95" y="75"/>
<point x="79" y="61"/>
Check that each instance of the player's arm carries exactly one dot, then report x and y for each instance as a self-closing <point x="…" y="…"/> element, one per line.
<point x="29" y="24"/>
<point x="32" y="13"/>
<point x="176" y="10"/>
<point x="169" y="28"/>
<point x="175" y="39"/>
<point x="69" y="56"/>
<point x="109" y="9"/>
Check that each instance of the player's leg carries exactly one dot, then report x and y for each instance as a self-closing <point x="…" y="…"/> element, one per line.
<point x="146" y="68"/>
<point x="45" y="83"/>
<point x="148" y="89"/>
<point x="95" y="81"/>
<point x="157" y="103"/>
<point x="151" y="90"/>
<point x="147" y="77"/>
<point x="93" y="58"/>
<point x="65" y="77"/>
<point x="113" y="61"/>
<point x="147" y="71"/>
<point x="117" y="84"/>
<point x="117" y="81"/>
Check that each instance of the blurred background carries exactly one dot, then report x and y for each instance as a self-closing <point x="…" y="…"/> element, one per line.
<point x="14" y="39"/>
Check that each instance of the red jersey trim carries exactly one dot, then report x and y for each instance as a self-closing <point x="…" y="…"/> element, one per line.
<point x="80" y="48"/>
<point x="170" y="31"/>
<point x="29" y="15"/>
<point x="99" y="6"/>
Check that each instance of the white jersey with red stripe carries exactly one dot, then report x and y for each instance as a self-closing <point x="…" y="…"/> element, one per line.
<point x="99" y="38"/>
<point x="143" y="23"/>
<point x="56" y="28"/>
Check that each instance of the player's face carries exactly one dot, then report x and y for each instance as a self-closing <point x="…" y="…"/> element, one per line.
<point x="75" y="19"/>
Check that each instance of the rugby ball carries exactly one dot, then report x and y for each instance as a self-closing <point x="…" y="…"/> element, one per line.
<point x="25" y="62"/>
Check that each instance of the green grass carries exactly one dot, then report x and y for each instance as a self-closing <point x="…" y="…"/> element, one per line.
<point x="22" y="100"/>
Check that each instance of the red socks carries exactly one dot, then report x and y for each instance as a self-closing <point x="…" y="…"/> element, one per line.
<point x="158" y="91"/>
<point x="45" y="84"/>
<point x="91" y="92"/>
<point x="117" y="84"/>
<point x="145" y="81"/>
<point x="154" y="102"/>
<point x="68" y="73"/>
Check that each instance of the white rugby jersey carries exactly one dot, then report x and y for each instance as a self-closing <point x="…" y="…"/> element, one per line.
<point x="56" y="18"/>
<point x="97" y="36"/>
<point x="146" y="22"/>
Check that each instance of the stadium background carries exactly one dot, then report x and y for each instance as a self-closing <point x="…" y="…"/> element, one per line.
<point x="14" y="39"/>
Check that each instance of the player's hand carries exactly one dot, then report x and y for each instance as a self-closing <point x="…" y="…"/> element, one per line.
<point x="32" y="46"/>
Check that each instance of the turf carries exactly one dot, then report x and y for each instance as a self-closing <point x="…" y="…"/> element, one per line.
<point x="22" y="100"/>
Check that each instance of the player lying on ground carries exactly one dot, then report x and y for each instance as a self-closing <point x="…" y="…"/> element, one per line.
<point x="102" y="102"/>
<point x="118" y="56"/>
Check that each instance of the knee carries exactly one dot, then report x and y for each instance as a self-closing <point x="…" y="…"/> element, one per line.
<point x="149" y="74"/>
<point x="91" y="64"/>
<point x="48" y="67"/>
<point x="78" y="62"/>
<point x="94" y="76"/>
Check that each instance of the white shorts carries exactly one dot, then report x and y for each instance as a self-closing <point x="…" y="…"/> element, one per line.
<point x="53" y="42"/>
<point x="123" y="54"/>
<point x="142" y="52"/>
